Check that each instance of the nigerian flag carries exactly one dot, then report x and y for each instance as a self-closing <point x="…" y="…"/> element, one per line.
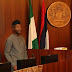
<point x="32" y="37"/>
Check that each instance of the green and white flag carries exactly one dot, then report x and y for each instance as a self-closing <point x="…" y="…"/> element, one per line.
<point x="32" y="37"/>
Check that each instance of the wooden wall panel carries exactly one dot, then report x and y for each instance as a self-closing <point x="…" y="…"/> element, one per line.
<point x="61" y="54"/>
<point x="45" y="68"/>
<point x="56" y="67"/>
<point x="34" y="54"/>
<point x="67" y="67"/>
<point x="64" y="66"/>
<point x="69" y="55"/>
<point x="61" y="66"/>
<point x="42" y="53"/>
<point x="50" y="67"/>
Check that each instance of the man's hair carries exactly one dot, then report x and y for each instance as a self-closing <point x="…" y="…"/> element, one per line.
<point x="15" y="22"/>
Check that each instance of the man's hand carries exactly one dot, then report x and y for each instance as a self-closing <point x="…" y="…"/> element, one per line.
<point x="15" y="68"/>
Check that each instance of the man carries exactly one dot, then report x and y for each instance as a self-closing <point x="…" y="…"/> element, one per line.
<point x="15" y="47"/>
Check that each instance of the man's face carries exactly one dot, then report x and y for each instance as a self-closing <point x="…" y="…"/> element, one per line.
<point x="17" y="29"/>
